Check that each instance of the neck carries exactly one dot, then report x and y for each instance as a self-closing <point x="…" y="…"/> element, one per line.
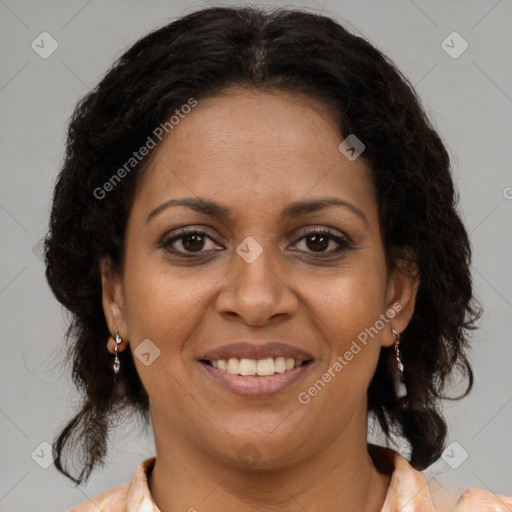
<point x="341" y="475"/>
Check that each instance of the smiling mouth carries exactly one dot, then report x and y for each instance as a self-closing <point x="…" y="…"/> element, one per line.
<point x="256" y="367"/>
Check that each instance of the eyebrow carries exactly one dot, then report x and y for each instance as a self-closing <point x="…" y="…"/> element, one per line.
<point x="293" y="210"/>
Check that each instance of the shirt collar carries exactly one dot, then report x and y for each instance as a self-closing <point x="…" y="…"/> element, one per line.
<point x="407" y="492"/>
<point x="138" y="498"/>
<point x="408" y="488"/>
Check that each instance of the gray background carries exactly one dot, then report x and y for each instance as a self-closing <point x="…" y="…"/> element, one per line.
<point x="469" y="99"/>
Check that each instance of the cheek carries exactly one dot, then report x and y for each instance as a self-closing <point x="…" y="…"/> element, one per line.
<point x="336" y="393"/>
<point x="165" y="304"/>
<point x="166" y="309"/>
<point x="347" y="302"/>
<point x="346" y="308"/>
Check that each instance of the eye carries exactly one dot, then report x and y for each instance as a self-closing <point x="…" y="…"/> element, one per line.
<point x="189" y="242"/>
<point x="319" y="240"/>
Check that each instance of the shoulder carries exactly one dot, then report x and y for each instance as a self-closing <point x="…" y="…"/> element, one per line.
<point x="473" y="500"/>
<point x="411" y="490"/>
<point x="446" y="497"/>
<point x="128" y="496"/>
<point x="109" y="500"/>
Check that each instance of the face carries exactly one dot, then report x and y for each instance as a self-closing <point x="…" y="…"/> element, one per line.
<point x="255" y="269"/>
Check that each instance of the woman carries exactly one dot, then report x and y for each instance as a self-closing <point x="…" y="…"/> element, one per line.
<point x="255" y="232"/>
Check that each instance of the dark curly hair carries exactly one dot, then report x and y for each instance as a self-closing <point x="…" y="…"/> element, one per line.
<point x="197" y="56"/>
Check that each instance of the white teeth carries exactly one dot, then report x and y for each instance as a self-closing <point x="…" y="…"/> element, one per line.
<point x="247" y="367"/>
<point x="265" y="367"/>
<point x="233" y="366"/>
<point x="262" y="367"/>
<point x="289" y="363"/>
<point x="280" y="364"/>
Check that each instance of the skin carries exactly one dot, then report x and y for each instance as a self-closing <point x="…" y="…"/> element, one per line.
<point x="255" y="153"/>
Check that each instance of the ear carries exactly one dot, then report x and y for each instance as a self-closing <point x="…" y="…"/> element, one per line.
<point x="403" y="284"/>
<point x="113" y="304"/>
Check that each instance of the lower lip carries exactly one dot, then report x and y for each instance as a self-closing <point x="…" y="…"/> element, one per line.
<point x="254" y="385"/>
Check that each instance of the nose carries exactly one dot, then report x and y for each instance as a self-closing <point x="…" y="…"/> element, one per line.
<point x="257" y="292"/>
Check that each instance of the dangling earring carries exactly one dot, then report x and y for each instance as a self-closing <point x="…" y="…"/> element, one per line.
<point x="117" y="363"/>
<point x="400" y="388"/>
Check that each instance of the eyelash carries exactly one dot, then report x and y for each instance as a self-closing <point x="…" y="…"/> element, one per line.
<point x="343" y="242"/>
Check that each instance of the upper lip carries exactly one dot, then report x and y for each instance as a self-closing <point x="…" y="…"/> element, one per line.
<point x="256" y="350"/>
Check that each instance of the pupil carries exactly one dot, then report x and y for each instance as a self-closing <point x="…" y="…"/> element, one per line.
<point x="197" y="239"/>
<point x="319" y="241"/>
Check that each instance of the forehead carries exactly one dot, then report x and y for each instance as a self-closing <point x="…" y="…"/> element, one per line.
<point x="251" y="127"/>
<point x="250" y="147"/>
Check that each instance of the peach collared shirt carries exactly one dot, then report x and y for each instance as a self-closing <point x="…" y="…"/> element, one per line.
<point x="408" y="492"/>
